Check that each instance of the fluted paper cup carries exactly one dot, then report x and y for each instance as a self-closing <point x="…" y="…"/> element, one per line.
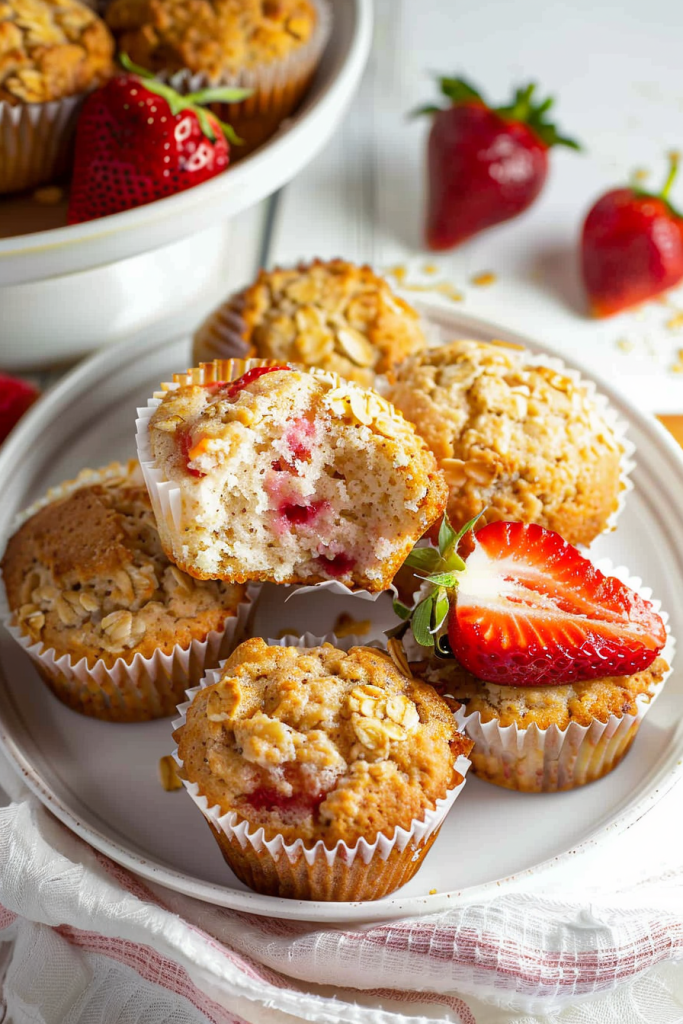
<point x="535" y="760"/>
<point x="134" y="690"/>
<point x="35" y="141"/>
<point x="368" y="870"/>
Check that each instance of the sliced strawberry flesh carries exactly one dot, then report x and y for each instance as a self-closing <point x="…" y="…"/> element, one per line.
<point x="337" y="565"/>
<point x="300" y="438"/>
<point x="267" y="798"/>
<point x="185" y="443"/>
<point x="303" y="515"/>
<point x="250" y="376"/>
<point x="531" y="610"/>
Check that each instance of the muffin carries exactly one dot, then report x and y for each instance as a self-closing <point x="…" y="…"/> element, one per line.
<point x="334" y="314"/>
<point x="52" y="52"/>
<point x="323" y="774"/>
<point x="270" y="46"/>
<point x="114" y="628"/>
<point x="515" y="437"/>
<point x="265" y="472"/>
<point x="547" y="738"/>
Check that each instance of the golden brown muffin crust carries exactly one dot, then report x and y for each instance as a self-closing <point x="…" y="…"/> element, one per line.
<point x="86" y="574"/>
<point x="333" y="314"/>
<point x="523" y="706"/>
<point x="218" y="37"/>
<point x="320" y="744"/>
<point x="523" y="441"/>
<point x="50" y="49"/>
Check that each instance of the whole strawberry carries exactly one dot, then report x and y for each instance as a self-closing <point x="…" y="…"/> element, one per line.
<point x="485" y="164"/>
<point x="138" y="140"/>
<point x="527" y="609"/>
<point x="16" y="396"/>
<point x="631" y="247"/>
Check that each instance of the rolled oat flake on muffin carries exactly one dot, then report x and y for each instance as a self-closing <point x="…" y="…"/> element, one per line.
<point x="326" y="752"/>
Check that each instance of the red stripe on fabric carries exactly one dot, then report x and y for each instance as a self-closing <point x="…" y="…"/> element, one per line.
<point x="7" y="917"/>
<point x="153" y="967"/>
<point x="255" y="971"/>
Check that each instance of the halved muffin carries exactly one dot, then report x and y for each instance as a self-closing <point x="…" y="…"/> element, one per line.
<point x="274" y="473"/>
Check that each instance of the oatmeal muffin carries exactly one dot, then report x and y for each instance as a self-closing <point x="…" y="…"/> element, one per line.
<point x="525" y="442"/>
<point x="333" y="314"/>
<point x="52" y="52"/>
<point x="547" y="738"/>
<point x="266" y="472"/>
<point x="270" y="46"/>
<point x="116" y="630"/>
<point x="338" y="757"/>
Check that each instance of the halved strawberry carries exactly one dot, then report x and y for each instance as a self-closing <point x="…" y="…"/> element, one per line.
<point x="527" y="609"/>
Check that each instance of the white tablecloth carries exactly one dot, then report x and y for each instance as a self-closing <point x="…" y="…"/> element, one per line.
<point x="84" y="942"/>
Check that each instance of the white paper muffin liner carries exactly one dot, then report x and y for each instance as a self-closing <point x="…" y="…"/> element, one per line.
<point x="166" y="496"/>
<point x="35" y="141"/>
<point x="319" y="860"/>
<point x="127" y="691"/>
<point x="277" y="87"/>
<point x="536" y="760"/>
<point x="220" y="336"/>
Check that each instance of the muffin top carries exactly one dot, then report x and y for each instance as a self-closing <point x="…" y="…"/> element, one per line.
<point x="50" y="49"/>
<point x="86" y="575"/>
<point x="543" y="705"/>
<point x="524" y="441"/>
<point x="335" y="315"/>
<point x="217" y="37"/>
<point x="320" y="744"/>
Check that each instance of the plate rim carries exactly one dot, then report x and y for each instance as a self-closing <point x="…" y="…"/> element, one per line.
<point x="660" y="780"/>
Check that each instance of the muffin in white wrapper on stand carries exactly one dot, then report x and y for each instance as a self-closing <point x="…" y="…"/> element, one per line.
<point x="277" y="84"/>
<point x="359" y="723"/>
<point x="55" y="54"/>
<point x="279" y="473"/>
<point x="88" y="594"/>
<point x="551" y="738"/>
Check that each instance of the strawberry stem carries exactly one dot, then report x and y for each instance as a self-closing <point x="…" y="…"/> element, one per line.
<point x="522" y="109"/>
<point x="674" y="160"/>
<point x="193" y="101"/>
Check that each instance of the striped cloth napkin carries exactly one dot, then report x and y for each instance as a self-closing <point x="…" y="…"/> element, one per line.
<point x="82" y="941"/>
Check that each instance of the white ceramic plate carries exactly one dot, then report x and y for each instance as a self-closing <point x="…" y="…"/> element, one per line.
<point x="101" y="779"/>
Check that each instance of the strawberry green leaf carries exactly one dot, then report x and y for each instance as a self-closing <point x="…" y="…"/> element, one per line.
<point x="469" y="525"/>
<point x="445" y="579"/>
<point x="458" y="90"/>
<point x="422" y="622"/>
<point x="219" y="94"/>
<point x="400" y="609"/>
<point x="441" y="606"/>
<point x="448" y="537"/>
<point x="426" y="559"/>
